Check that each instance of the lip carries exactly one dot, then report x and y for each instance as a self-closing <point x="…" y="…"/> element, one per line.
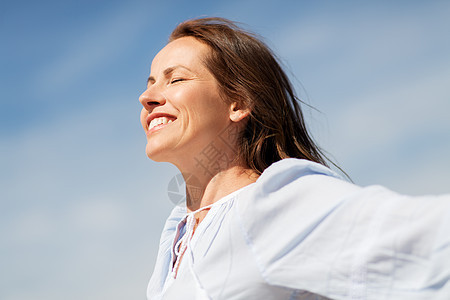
<point x="155" y="115"/>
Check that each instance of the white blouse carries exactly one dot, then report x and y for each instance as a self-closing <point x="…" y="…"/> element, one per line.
<point x="301" y="232"/>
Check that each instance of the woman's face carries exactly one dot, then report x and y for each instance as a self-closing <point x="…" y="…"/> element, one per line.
<point x="183" y="111"/>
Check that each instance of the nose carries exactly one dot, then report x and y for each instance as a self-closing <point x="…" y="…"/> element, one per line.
<point x="151" y="98"/>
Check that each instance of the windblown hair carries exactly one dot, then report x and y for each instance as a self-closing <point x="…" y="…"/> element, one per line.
<point x="248" y="73"/>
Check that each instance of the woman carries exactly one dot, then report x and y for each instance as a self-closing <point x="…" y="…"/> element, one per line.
<point x="264" y="217"/>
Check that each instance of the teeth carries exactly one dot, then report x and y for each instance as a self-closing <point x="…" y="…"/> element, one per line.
<point x="159" y="121"/>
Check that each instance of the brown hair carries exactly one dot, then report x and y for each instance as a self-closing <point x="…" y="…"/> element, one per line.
<point x="248" y="73"/>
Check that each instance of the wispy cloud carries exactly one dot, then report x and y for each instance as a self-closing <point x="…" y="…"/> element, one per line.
<point x="397" y="113"/>
<point x="382" y="80"/>
<point x="93" y="46"/>
<point x="80" y="197"/>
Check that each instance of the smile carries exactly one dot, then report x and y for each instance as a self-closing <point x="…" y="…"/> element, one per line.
<point x="159" y="122"/>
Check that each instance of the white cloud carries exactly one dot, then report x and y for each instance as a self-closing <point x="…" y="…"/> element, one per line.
<point x="30" y="227"/>
<point x="101" y="216"/>
<point x="398" y="137"/>
<point x="97" y="45"/>
<point x="84" y="206"/>
<point x="381" y="78"/>
<point x="401" y="112"/>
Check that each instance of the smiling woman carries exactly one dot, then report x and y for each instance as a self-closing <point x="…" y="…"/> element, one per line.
<point x="187" y="112"/>
<point x="265" y="218"/>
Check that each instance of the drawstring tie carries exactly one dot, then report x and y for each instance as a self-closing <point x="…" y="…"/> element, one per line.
<point x="184" y="242"/>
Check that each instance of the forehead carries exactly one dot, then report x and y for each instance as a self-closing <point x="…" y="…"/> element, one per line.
<point x="186" y="51"/>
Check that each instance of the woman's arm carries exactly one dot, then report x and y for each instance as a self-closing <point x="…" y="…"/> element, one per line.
<point x="311" y="231"/>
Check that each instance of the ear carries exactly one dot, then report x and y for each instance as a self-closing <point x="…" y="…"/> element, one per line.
<point x="237" y="112"/>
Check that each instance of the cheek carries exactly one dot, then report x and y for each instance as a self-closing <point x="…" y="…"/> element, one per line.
<point x="207" y="105"/>
<point x="199" y="107"/>
<point x="207" y="114"/>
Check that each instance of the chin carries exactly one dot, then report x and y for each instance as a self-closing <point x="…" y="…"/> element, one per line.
<point x="157" y="154"/>
<point x="154" y="155"/>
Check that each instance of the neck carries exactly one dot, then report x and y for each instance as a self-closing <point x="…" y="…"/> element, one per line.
<point x="214" y="172"/>
<point x="203" y="188"/>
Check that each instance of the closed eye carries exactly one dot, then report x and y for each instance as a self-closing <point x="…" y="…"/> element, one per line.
<point x="177" y="80"/>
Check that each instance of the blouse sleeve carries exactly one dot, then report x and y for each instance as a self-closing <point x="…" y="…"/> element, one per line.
<point x="312" y="231"/>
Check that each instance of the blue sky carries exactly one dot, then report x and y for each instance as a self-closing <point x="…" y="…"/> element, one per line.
<point x="82" y="206"/>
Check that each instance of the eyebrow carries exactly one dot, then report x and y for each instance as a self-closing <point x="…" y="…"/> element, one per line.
<point x="167" y="72"/>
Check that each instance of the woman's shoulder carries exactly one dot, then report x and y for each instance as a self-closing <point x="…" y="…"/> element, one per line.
<point x="297" y="167"/>
<point x="295" y="179"/>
